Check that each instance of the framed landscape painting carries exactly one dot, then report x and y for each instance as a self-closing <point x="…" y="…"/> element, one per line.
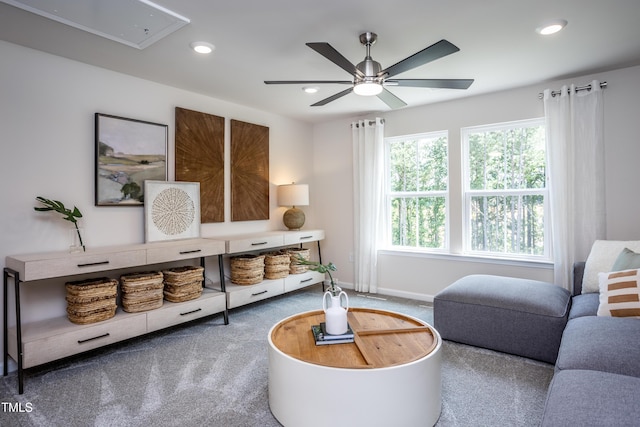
<point x="128" y="152"/>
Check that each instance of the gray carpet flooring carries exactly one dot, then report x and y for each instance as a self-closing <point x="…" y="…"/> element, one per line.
<point x="210" y="374"/>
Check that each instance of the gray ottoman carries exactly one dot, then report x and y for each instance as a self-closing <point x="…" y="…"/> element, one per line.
<point x="516" y="316"/>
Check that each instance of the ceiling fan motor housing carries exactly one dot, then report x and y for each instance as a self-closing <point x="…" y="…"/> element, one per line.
<point x="369" y="68"/>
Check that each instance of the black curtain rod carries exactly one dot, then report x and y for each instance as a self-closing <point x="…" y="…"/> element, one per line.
<point x="579" y="88"/>
<point x="371" y="122"/>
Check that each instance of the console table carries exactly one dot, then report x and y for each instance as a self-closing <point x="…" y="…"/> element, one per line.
<point x="36" y="343"/>
<point x="40" y="342"/>
<point x="239" y="295"/>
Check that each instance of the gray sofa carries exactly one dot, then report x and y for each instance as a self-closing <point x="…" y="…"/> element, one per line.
<point x="597" y="359"/>
<point x="597" y="373"/>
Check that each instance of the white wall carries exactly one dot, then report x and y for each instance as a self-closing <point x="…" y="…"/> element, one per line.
<point x="47" y="106"/>
<point x="423" y="276"/>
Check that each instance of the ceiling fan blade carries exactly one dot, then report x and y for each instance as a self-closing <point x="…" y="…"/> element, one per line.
<point x="326" y="50"/>
<point x="432" y="83"/>
<point x="333" y="97"/>
<point x="307" y="82"/>
<point x="431" y="53"/>
<point x="391" y="100"/>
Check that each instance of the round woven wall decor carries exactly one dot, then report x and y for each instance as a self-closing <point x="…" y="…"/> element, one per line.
<point x="173" y="211"/>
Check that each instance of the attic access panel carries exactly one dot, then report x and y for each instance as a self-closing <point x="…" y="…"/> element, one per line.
<point x="135" y="23"/>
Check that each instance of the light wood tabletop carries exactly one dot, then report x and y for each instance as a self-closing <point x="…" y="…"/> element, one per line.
<point x="382" y="339"/>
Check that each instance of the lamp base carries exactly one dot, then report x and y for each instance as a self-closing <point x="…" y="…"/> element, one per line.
<point x="293" y="218"/>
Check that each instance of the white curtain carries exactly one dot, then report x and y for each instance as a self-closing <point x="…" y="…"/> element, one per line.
<point x="575" y="155"/>
<point x="368" y="200"/>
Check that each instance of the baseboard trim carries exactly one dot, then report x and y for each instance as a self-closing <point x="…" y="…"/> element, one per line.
<point x="393" y="293"/>
<point x="405" y="294"/>
<point x="12" y="366"/>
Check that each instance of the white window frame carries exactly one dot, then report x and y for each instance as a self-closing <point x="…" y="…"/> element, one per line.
<point x="467" y="193"/>
<point x="389" y="195"/>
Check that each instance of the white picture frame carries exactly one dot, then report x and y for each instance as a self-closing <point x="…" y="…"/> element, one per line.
<point x="171" y="210"/>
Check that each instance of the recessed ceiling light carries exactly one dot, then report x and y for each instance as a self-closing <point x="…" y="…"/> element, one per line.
<point x="310" y="89"/>
<point x="202" y="47"/>
<point x="551" y="27"/>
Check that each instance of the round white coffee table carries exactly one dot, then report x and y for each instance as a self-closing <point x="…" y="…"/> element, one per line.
<point x="389" y="376"/>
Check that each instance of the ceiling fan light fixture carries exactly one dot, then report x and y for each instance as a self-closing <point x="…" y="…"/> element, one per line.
<point x="551" y="27"/>
<point x="310" y="89"/>
<point x="202" y="47"/>
<point x="367" y="88"/>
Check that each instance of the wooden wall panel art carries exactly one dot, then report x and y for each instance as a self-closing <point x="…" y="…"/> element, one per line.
<point x="249" y="171"/>
<point x="200" y="158"/>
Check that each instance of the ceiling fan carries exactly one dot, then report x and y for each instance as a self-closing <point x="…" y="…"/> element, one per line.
<point x="370" y="79"/>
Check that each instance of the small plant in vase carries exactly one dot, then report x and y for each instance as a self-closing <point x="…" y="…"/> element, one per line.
<point x="324" y="269"/>
<point x="68" y="214"/>
<point x="335" y="315"/>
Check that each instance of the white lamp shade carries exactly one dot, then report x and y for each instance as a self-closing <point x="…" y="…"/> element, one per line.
<point x="293" y="195"/>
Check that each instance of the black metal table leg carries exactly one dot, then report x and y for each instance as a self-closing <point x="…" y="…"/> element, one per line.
<point x="5" y="325"/>
<point x="19" y="334"/>
<point x="223" y="288"/>
<point x="320" y="260"/>
<point x="16" y="280"/>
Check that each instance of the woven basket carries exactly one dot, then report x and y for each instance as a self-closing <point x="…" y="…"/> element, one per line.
<point x="183" y="283"/>
<point x="141" y="281"/>
<point x="294" y="254"/>
<point x="93" y="317"/>
<point x="247" y="269"/>
<point x="91" y="300"/>
<point x="139" y="306"/>
<point x="183" y="292"/>
<point x="276" y="265"/>
<point x="141" y="291"/>
<point x="86" y="291"/>
<point x="184" y="274"/>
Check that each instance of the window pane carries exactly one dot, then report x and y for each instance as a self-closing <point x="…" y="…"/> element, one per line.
<point x="418" y="222"/>
<point x="508" y="224"/>
<point x="507" y="159"/>
<point x="418" y="165"/>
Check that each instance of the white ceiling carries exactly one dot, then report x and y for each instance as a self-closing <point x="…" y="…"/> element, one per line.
<point x="259" y="40"/>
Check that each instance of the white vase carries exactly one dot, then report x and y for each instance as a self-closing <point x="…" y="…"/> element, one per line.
<point x="335" y="315"/>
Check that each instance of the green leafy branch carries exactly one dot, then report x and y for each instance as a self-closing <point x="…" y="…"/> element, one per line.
<point x="324" y="269"/>
<point x="68" y="214"/>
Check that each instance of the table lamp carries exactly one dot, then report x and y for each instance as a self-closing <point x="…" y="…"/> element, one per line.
<point x="293" y="195"/>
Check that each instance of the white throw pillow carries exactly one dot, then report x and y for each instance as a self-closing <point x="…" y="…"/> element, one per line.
<point x="601" y="258"/>
<point x="619" y="293"/>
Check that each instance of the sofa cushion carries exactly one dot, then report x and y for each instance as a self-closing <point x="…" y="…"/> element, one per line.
<point x="591" y="398"/>
<point x="627" y="260"/>
<point x="601" y="259"/>
<point x="584" y="305"/>
<point x="619" y="293"/>
<point x="608" y="344"/>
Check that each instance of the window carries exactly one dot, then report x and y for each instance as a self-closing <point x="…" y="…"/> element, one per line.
<point x="417" y="190"/>
<point x="505" y="189"/>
